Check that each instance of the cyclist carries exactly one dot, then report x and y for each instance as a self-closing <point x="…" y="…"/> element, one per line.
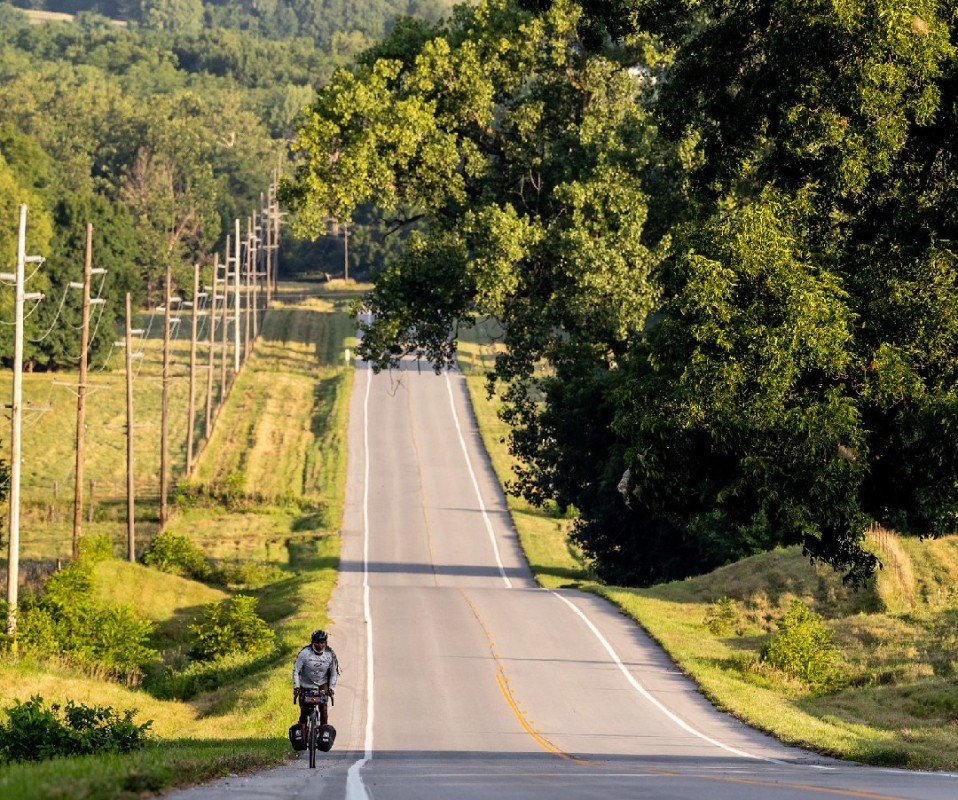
<point x="316" y="667"/>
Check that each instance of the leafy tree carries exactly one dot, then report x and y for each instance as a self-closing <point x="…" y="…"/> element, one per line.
<point x="462" y="135"/>
<point x="774" y="179"/>
<point x="178" y="16"/>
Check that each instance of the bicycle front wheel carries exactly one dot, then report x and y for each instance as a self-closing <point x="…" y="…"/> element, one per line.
<point x="313" y="736"/>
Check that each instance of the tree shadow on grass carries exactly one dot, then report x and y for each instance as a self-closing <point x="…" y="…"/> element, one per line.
<point x="304" y="553"/>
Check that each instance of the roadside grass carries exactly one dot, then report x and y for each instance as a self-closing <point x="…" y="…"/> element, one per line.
<point x="277" y="525"/>
<point x="176" y="763"/>
<point x="543" y="533"/>
<point x="896" y="703"/>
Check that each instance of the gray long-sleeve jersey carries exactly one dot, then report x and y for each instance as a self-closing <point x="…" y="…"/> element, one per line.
<point x="313" y="669"/>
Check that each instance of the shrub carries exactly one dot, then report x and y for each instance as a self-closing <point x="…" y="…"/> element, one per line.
<point x="65" y="619"/>
<point x="34" y="732"/>
<point x="230" y="626"/>
<point x="94" y="549"/>
<point x="722" y="617"/>
<point x="177" y="555"/>
<point x="803" y="648"/>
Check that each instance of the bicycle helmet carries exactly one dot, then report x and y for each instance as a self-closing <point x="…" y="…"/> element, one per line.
<point x="319" y="636"/>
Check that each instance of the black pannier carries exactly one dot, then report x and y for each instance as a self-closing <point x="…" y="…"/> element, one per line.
<point x="327" y="735"/>
<point x="296" y="738"/>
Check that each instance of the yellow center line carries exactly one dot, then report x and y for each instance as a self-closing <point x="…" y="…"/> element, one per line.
<point x="503" y="680"/>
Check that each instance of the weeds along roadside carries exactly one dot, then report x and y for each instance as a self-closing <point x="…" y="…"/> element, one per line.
<point x="264" y="507"/>
<point x="889" y="695"/>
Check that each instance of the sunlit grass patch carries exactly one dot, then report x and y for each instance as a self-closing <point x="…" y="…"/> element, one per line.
<point x="265" y="513"/>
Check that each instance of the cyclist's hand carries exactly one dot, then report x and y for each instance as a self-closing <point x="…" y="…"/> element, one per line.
<point x="295" y="695"/>
<point x="330" y="692"/>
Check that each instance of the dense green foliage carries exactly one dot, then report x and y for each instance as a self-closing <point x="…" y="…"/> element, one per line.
<point x="65" y="620"/>
<point x="804" y="648"/>
<point x="331" y="25"/>
<point x="34" y="732"/>
<point x="158" y="135"/>
<point x="717" y="238"/>
<point x="231" y="626"/>
<point x="178" y="555"/>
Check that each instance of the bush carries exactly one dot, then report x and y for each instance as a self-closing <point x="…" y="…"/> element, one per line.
<point x="34" y="732"/>
<point x="65" y="619"/>
<point x="722" y="617"/>
<point x="94" y="549"/>
<point x="230" y="626"/>
<point x="177" y="555"/>
<point x="803" y="648"/>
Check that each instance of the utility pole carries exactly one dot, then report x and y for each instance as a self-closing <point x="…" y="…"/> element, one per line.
<point x="16" y="408"/>
<point x="224" y="348"/>
<point x="254" y="274"/>
<point x="346" y="250"/>
<point x="275" y="243"/>
<point x="130" y="485"/>
<point x="236" y="301"/>
<point x="212" y="347"/>
<point x="191" y="405"/>
<point x="164" y="490"/>
<point x="81" y="394"/>
<point x="267" y="243"/>
<point x="248" y="266"/>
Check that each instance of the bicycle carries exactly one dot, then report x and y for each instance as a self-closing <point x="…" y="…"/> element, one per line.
<point x="315" y="699"/>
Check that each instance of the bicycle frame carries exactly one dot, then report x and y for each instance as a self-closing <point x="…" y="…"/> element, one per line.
<point x="314" y="698"/>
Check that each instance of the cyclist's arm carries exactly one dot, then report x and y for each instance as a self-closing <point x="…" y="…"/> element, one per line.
<point x="297" y="668"/>
<point x="333" y="674"/>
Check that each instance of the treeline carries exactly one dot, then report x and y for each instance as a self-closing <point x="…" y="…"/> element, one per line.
<point x="159" y="139"/>
<point x="334" y="26"/>
<point x="719" y="239"/>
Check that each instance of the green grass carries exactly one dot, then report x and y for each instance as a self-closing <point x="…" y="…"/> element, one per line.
<point x="284" y="526"/>
<point x="543" y="534"/>
<point x="897" y="638"/>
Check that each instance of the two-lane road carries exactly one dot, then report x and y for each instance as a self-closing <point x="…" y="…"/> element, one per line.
<point x="464" y="680"/>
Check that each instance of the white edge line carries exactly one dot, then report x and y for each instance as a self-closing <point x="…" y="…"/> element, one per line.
<point x="355" y="788"/>
<point x="475" y="484"/>
<point x="645" y="693"/>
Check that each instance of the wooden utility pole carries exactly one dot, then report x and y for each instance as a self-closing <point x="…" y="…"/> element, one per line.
<point x="164" y="412"/>
<point x="130" y="485"/>
<point x="346" y="251"/>
<point x="81" y="394"/>
<point x="254" y="273"/>
<point x="212" y="347"/>
<point x="224" y="348"/>
<point x="275" y="244"/>
<point x="267" y="243"/>
<point x="16" y="415"/>
<point x="249" y="263"/>
<point x="236" y="301"/>
<point x="191" y="405"/>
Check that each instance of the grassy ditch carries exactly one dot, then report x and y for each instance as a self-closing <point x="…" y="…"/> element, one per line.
<point x="263" y="507"/>
<point x="892" y="697"/>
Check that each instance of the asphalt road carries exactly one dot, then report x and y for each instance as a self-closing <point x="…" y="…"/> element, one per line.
<point x="462" y="679"/>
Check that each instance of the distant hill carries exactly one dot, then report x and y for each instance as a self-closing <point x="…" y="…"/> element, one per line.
<point x="326" y="22"/>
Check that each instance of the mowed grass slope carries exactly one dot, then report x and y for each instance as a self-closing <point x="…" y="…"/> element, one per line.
<point x="278" y="453"/>
<point x="897" y="638"/>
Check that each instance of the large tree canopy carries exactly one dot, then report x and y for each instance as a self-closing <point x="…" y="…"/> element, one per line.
<point x="717" y="238"/>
